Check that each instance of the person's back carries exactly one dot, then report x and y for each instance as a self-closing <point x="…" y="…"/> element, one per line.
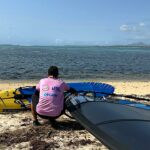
<point x="51" y="99"/>
<point x="50" y="102"/>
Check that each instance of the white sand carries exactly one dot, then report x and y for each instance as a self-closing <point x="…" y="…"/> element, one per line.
<point x="122" y="87"/>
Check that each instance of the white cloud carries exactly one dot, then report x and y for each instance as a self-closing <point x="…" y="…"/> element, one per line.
<point x="58" y="41"/>
<point x="127" y="28"/>
<point x="140" y="37"/>
<point x="132" y="27"/>
<point x="141" y="24"/>
<point x="137" y="31"/>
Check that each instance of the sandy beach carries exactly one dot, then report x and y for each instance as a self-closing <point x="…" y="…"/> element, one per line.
<point x="121" y="86"/>
<point x="17" y="132"/>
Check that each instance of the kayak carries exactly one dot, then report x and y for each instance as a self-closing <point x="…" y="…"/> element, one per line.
<point x="9" y="103"/>
<point x="16" y="99"/>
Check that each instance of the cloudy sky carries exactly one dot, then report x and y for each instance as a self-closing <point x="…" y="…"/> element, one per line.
<point x="58" y="22"/>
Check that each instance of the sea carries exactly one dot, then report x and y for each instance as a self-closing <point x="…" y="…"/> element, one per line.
<point x="75" y="62"/>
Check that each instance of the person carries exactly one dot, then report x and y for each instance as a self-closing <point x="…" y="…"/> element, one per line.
<point x="48" y="100"/>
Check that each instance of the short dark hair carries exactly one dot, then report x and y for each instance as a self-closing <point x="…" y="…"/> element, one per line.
<point x="53" y="70"/>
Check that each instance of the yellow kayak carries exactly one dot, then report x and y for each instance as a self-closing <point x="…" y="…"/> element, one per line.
<point x="9" y="103"/>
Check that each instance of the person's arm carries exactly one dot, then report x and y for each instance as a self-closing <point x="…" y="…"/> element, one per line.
<point x="69" y="89"/>
<point x="37" y="89"/>
<point x="72" y="90"/>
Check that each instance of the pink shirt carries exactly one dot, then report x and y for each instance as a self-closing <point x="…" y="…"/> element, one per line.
<point x="51" y="99"/>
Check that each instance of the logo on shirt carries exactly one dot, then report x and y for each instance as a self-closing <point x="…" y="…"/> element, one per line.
<point x="45" y="88"/>
<point x="49" y="95"/>
<point x="55" y="88"/>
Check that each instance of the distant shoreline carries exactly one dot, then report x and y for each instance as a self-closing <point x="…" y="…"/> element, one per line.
<point x="74" y="45"/>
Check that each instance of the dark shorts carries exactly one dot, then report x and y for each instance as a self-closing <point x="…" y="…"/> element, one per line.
<point x="35" y="100"/>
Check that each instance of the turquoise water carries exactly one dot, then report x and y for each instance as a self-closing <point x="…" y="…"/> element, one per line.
<point x="75" y="62"/>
